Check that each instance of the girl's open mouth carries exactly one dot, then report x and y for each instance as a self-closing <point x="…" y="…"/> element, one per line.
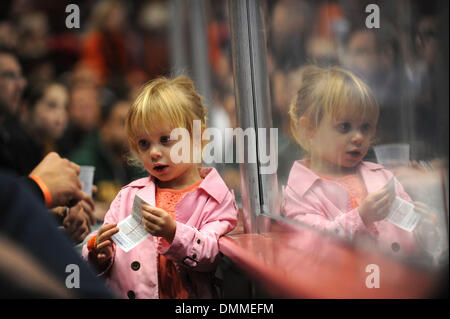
<point x="354" y="153"/>
<point x="160" y="168"/>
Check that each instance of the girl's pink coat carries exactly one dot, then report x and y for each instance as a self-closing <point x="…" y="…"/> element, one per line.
<point x="201" y="216"/>
<point x="326" y="206"/>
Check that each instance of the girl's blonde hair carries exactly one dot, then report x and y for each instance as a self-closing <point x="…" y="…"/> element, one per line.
<point x="164" y="102"/>
<point x="332" y="93"/>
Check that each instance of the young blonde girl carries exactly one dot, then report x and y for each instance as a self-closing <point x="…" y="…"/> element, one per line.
<point x="333" y="117"/>
<point x="190" y="207"/>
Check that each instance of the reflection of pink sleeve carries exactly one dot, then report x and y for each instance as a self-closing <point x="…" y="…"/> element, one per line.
<point x="320" y="209"/>
<point x="400" y="191"/>
<point x="311" y="210"/>
<point x="392" y="234"/>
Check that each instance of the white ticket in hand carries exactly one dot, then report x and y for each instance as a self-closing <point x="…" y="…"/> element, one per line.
<point x="403" y="215"/>
<point x="131" y="229"/>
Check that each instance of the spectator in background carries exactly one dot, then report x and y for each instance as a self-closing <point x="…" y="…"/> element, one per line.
<point x="424" y="72"/>
<point x="33" y="46"/>
<point x="153" y="24"/>
<point x="104" y="48"/>
<point x="135" y="81"/>
<point x="375" y="56"/>
<point x="24" y="153"/>
<point x="290" y="22"/>
<point x="12" y="84"/>
<point x="63" y="189"/>
<point x="321" y="51"/>
<point x="284" y="89"/>
<point x="84" y="116"/>
<point x="330" y="20"/>
<point x="53" y="178"/>
<point x="426" y="39"/>
<point x="8" y="35"/>
<point x="84" y="108"/>
<point x="82" y="75"/>
<point x="107" y="149"/>
<point x="44" y="119"/>
<point x="222" y="115"/>
<point x="290" y="26"/>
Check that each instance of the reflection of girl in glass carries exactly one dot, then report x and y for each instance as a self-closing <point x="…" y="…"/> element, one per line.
<point x="333" y="117"/>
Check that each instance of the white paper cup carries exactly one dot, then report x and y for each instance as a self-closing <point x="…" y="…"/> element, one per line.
<point x="87" y="178"/>
<point x="392" y="155"/>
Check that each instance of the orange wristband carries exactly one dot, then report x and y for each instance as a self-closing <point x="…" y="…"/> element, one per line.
<point x="92" y="243"/>
<point x="44" y="189"/>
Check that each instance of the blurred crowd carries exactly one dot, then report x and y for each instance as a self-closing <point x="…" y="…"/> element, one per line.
<point x="64" y="97"/>
<point x="87" y="76"/>
<point x="400" y="62"/>
<point x="69" y="90"/>
<point x="65" y="93"/>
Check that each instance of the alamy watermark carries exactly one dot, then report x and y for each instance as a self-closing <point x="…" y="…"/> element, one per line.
<point x="373" y="19"/>
<point x="73" y="279"/>
<point x="373" y="280"/>
<point x="215" y="152"/>
<point x="73" y="19"/>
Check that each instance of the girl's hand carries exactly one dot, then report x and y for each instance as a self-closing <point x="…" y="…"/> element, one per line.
<point x="424" y="211"/>
<point x="103" y="247"/>
<point x="376" y="206"/>
<point x="158" y="222"/>
<point x="427" y="231"/>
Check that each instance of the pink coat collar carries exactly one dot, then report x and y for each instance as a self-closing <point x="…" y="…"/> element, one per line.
<point x="212" y="184"/>
<point x="301" y="178"/>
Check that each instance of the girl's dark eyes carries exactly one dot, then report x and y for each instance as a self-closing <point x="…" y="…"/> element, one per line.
<point x="165" y="139"/>
<point x="365" y="128"/>
<point x="143" y="144"/>
<point x="51" y="105"/>
<point x="344" y="127"/>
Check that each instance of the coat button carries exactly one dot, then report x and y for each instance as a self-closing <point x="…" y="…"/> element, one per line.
<point x="395" y="246"/>
<point x="135" y="265"/>
<point x="131" y="294"/>
<point x="194" y="256"/>
<point x="198" y="241"/>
